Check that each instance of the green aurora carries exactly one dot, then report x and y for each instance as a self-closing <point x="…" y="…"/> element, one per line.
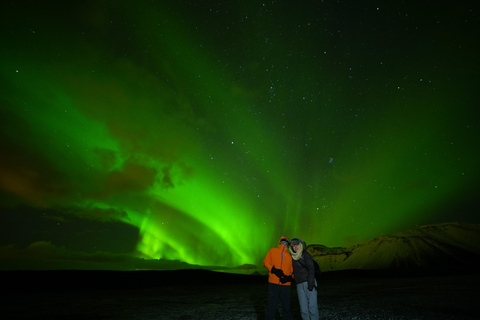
<point x="203" y="133"/>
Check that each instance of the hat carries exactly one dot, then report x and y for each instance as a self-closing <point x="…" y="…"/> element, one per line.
<point x="295" y="241"/>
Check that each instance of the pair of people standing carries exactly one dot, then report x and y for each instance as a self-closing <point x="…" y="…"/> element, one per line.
<point x="283" y="267"/>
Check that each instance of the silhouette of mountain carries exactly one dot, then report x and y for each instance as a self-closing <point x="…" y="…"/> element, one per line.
<point x="440" y="248"/>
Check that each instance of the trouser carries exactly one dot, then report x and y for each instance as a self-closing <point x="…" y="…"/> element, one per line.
<point x="275" y="290"/>
<point x="308" y="301"/>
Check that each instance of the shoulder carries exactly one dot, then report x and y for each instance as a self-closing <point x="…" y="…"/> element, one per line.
<point x="308" y="258"/>
<point x="272" y="250"/>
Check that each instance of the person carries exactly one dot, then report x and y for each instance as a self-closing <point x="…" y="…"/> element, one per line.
<point x="278" y="262"/>
<point x="304" y="275"/>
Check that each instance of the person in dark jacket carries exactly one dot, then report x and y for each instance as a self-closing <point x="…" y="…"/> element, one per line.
<point x="304" y="275"/>
<point x="278" y="262"/>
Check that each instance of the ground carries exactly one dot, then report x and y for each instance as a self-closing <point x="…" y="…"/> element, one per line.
<point x="206" y="295"/>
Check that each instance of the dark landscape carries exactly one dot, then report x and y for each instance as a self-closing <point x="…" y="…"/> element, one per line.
<point x="202" y="294"/>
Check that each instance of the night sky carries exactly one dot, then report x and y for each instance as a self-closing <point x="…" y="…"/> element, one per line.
<point x="203" y="131"/>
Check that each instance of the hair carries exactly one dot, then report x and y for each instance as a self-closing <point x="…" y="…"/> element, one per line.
<point x="297" y="255"/>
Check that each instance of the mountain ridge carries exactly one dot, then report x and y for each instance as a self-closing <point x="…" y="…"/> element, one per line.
<point x="445" y="247"/>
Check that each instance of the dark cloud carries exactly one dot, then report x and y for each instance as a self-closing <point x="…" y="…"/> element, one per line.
<point x="81" y="229"/>
<point x="98" y="214"/>
<point x="132" y="178"/>
<point x="43" y="255"/>
<point x="26" y="175"/>
<point x="107" y="158"/>
<point x="167" y="180"/>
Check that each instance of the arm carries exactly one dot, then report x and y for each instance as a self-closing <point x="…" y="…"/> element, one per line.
<point x="288" y="276"/>
<point x="267" y="262"/>
<point x="311" y="271"/>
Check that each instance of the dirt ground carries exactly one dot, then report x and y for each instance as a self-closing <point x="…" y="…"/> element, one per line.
<point x="205" y="295"/>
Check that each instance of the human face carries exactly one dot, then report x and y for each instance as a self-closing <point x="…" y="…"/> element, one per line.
<point x="295" y="247"/>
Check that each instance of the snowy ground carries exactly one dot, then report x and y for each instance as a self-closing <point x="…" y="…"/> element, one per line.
<point x="201" y="295"/>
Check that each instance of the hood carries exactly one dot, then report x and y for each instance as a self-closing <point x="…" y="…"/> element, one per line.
<point x="283" y="238"/>
<point x="302" y="247"/>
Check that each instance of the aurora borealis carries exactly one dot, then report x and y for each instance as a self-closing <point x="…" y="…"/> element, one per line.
<point x="202" y="131"/>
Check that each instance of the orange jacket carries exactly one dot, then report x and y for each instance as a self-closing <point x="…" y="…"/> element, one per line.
<point x="281" y="259"/>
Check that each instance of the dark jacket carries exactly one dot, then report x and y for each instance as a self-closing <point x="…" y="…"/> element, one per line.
<point x="304" y="269"/>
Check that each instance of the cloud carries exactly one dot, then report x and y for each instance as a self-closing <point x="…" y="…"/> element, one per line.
<point x="107" y="158"/>
<point x="133" y="178"/>
<point x="43" y="255"/>
<point x="98" y="214"/>
<point x="144" y="114"/>
<point x="26" y="175"/>
<point x="167" y="179"/>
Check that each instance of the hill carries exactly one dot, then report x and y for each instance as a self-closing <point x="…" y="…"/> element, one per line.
<point x="443" y="248"/>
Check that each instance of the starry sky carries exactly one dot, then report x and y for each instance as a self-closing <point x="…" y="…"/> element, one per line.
<point x="202" y="131"/>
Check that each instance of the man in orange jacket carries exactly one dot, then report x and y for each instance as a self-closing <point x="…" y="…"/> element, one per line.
<point x="278" y="262"/>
